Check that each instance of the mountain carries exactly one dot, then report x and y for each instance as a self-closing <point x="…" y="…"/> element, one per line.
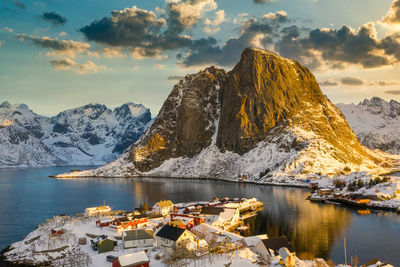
<point x="267" y="118"/>
<point x="88" y="135"/>
<point x="376" y="123"/>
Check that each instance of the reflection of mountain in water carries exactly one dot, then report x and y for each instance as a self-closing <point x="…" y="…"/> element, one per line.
<point x="312" y="228"/>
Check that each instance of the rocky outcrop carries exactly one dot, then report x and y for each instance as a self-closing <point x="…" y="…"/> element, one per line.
<point x="267" y="117"/>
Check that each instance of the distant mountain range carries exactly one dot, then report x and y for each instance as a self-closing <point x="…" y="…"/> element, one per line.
<point x="376" y="123"/>
<point x="89" y="135"/>
<point x="267" y="119"/>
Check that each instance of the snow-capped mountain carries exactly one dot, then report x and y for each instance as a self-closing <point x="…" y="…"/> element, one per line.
<point x="91" y="134"/>
<point x="267" y="119"/>
<point x="376" y="123"/>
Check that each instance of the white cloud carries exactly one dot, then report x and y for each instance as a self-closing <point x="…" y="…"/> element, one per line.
<point x="62" y="34"/>
<point x="159" y="66"/>
<point x="90" y="67"/>
<point x="212" y="25"/>
<point x="113" y="52"/>
<point x="8" y="29"/>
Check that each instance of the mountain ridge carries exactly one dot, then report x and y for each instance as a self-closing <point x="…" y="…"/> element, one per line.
<point x="266" y="118"/>
<point x="87" y="135"/>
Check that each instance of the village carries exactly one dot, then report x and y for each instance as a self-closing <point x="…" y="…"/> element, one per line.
<point x="203" y="233"/>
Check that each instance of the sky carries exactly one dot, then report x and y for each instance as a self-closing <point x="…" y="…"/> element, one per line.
<point x="60" y="54"/>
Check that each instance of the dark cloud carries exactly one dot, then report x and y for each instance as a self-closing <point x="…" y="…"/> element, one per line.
<point x="58" y="47"/>
<point x="393" y="92"/>
<point x="175" y="78"/>
<point x="393" y="16"/>
<point x="328" y="83"/>
<point x="207" y="51"/>
<point x="352" y="81"/>
<point x="54" y="18"/>
<point x="263" y="1"/>
<point x="17" y="3"/>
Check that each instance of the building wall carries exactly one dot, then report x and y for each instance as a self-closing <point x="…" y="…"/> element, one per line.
<point x="138" y="243"/>
<point x="261" y="251"/>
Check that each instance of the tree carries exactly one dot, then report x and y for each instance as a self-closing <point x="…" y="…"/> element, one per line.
<point x="360" y="183"/>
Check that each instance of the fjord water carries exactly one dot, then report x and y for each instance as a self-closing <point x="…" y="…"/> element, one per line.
<point x="28" y="197"/>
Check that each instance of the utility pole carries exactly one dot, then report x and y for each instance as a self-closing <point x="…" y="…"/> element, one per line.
<point x="345" y="253"/>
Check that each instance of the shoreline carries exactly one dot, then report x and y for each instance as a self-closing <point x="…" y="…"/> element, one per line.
<point x="306" y="186"/>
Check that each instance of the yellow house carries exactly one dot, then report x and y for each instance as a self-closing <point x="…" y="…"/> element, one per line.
<point x="163" y="207"/>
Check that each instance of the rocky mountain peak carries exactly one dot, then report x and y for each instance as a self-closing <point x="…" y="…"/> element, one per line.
<point x="5" y="104"/>
<point x="377" y="105"/>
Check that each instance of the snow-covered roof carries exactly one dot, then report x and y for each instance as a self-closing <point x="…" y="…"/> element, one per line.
<point x="133" y="258"/>
<point x="164" y="203"/>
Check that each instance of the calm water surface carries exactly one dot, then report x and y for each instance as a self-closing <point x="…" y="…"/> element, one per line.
<point x="28" y="197"/>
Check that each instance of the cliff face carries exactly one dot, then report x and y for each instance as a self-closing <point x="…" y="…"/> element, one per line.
<point x="185" y="124"/>
<point x="267" y="117"/>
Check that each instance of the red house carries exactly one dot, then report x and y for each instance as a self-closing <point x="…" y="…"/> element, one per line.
<point x="103" y="223"/>
<point x="57" y="232"/>
<point x="137" y="259"/>
<point x="122" y="224"/>
<point x="185" y="221"/>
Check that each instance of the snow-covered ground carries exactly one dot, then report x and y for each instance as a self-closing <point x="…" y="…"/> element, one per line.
<point x="39" y="246"/>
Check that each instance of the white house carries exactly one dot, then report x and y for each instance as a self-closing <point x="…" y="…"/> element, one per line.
<point x="269" y="248"/>
<point x="92" y="211"/>
<point x="163" y="207"/>
<point x="137" y="238"/>
<point x="170" y="237"/>
<point x="220" y="217"/>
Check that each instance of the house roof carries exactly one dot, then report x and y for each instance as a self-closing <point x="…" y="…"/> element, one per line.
<point x="133" y="259"/>
<point x="164" y="203"/>
<point x="275" y="243"/>
<point x="170" y="232"/>
<point x="138" y="234"/>
<point x="211" y="210"/>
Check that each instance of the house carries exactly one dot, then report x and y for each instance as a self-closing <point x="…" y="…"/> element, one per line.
<point x="325" y="192"/>
<point x="268" y="248"/>
<point x="137" y="238"/>
<point x="163" y="207"/>
<point x="137" y="259"/>
<point x="288" y="258"/>
<point x="169" y="238"/>
<point x="123" y="224"/>
<point x="103" y="243"/>
<point x="185" y="221"/>
<point x="227" y="218"/>
<point x="211" y="214"/>
<point x="56" y="232"/>
<point x="251" y="241"/>
<point x="103" y="222"/>
<point x="94" y="211"/>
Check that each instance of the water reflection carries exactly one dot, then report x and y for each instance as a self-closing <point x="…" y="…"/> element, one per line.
<point x="315" y="230"/>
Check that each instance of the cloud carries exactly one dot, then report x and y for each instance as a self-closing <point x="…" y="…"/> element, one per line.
<point x="90" y="67"/>
<point x="184" y="14"/>
<point x="62" y="34"/>
<point x="58" y="47"/>
<point x="212" y="25"/>
<point x="3" y="77"/>
<point x="384" y="83"/>
<point x="159" y="66"/>
<point x="63" y="64"/>
<point x="145" y="34"/>
<point x="328" y="83"/>
<point x="175" y="78"/>
<point x="54" y="18"/>
<point x="352" y="81"/>
<point x="263" y="1"/>
<point x="8" y="29"/>
<point x="253" y="33"/>
<point x="393" y="92"/>
<point x="1" y="43"/>
<point x="113" y="52"/>
<point x="135" y="68"/>
<point x="18" y="3"/>
<point x="393" y="16"/>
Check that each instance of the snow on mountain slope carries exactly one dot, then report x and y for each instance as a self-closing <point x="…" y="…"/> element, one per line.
<point x="376" y="123"/>
<point x="91" y="134"/>
<point x="266" y="119"/>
